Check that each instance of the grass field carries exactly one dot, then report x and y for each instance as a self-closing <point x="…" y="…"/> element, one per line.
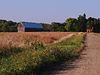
<point x="19" y="38"/>
<point x="17" y="57"/>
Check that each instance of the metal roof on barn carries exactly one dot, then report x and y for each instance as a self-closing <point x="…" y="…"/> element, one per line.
<point x="32" y="25"/>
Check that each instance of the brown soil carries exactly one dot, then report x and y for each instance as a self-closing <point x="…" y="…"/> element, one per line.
<point x="89" y="62"/>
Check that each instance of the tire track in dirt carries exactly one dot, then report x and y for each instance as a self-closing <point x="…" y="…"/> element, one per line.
<point x="66" y="37"/>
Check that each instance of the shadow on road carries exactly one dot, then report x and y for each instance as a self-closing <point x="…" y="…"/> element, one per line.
<point x="55" y="68"/>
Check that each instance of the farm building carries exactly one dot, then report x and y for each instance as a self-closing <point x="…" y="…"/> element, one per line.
<point x="90" y="29"/>
<point x="29" y="27"/>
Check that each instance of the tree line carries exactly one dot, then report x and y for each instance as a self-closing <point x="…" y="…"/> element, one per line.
<point x="8" y="26"/>
<point x="79" y="24"/>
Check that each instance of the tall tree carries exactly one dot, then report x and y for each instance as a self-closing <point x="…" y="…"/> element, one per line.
<point x="92" y="23"/>
<point x="82" y="22"/>
<point x="72" y="24"/>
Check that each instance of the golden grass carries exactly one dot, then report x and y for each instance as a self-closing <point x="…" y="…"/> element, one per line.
<point x="19" y="39"/>
<point x="97" y="34"/>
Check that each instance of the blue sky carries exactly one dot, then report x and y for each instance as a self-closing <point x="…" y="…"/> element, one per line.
<point x="47" y="10"/>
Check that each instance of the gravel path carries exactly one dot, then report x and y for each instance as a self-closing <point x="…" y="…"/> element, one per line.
<point x="89" y="62"/>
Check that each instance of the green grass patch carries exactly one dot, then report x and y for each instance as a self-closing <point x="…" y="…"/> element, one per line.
<point x="97" y="34"/>
<point x="32" y="59"/>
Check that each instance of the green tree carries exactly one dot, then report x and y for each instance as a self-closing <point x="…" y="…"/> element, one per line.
<point x="8" y="26"/>
<point x="93" y="23"/>
<point x="57" y="26"/>
<point x="72" y="24"/>
<point x="82" y="22"/>
<point x="97" y="25"/>
<point x="47" y="27"/>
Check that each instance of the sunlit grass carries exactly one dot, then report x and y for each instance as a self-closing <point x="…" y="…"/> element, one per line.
<point x="32" y="59"/>
<point x="97" y="34"/>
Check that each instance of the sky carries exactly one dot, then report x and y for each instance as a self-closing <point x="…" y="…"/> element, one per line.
<point x="47" y="11"/>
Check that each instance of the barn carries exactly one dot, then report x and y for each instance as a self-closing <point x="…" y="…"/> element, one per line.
<point x="29" y="27"/>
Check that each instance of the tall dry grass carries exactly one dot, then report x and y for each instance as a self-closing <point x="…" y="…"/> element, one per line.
<point x="20" y="39"/>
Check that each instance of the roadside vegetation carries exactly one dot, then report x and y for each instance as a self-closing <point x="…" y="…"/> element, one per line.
<point x="25" y="61"/>
<point x="97" y="34"/>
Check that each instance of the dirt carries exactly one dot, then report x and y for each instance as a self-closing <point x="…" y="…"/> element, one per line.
<point x="63" y="38"/>
<point x="89" y="62"/>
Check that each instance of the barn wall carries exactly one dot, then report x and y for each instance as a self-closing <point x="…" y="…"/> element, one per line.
<point x="21" y="28"/>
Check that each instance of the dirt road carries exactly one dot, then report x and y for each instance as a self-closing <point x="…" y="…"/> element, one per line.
<point x="89" y="62"/>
